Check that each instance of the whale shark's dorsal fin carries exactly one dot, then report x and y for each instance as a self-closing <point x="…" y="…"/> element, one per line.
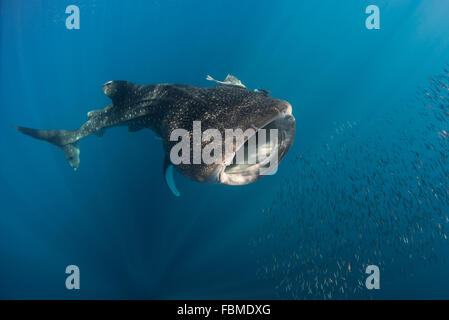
<point x="230" y="80"/>
<point x="169" y="179"/>
<point x="118" y="90"/>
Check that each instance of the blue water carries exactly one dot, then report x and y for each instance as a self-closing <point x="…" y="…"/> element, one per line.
<point x="114" y="217"/>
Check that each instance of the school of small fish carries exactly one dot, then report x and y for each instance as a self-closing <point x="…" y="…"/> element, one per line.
<point x="376" y="193"/>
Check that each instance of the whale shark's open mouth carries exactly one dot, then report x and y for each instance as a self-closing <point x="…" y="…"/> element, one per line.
<point x="264" y="158"/>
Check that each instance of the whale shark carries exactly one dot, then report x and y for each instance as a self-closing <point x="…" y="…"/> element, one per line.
<point x="164" y="108"/>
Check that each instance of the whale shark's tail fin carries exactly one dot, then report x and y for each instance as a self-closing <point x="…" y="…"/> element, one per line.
<point x="67" y="140"/>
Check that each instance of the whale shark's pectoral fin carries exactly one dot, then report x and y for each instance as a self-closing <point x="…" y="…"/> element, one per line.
<point x="169" y="179"/>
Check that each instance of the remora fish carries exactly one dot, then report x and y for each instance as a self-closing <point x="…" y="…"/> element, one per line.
<point x="166" y="107"/>
<point x="229" y="80"/>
